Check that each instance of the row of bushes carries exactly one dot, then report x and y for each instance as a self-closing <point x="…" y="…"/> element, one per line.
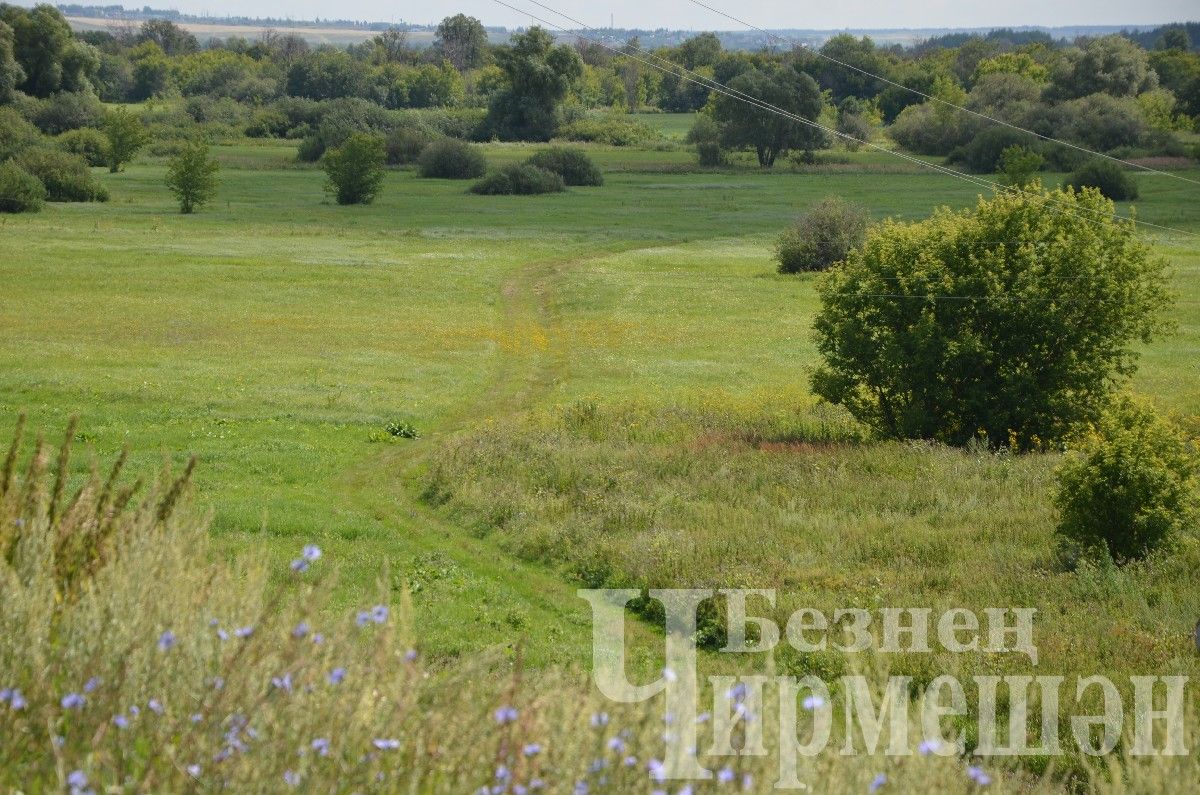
<point x="39" y="173"/>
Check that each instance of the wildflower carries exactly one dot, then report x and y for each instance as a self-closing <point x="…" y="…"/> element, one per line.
<point x="318" y="638"/>
<point x="669" y="675"/>
<point x="73" y="701"/>
<point x="597" y="765"/>
<point x="155" y="706"/>
<point x="193" y="771"/>
<point x="77" y="779"/>
<point x="196" y="717"/>
<point x="928" y="747"/>
<point x="386" y="744"/>
<point x="747" y="782"/>
<point x="311" y="553"/>
<point x="321" y="746"/>
<point x="299" y="565"/>
<point x="300" y="630"/>
<point x="283" y="683"/>
<point x="658" y="771"/>
<point x="379" y="614"/>
<point x="877" y="783"/>
<point x="120" y="721"/>
<point x="6" y="694"/>
<point x="703" y="717"/>
<point x="17" y="701"/>
<point x="737" y="692"/>
<point x="630" y="761"/>
<point x="291" y="778"/>
<point x="581" y="787"/>
<point x="502" y="773"/>
<point x="505" y="715"/>
<point x="91" y="684"/>
<point x="536" y="783"/>
<point x="725" y="775"/>
<point x="532" y="749"/>
<point x="686" y="789"/>
<point x="222" y="634"/>
<point x="218" y="683"/>
<point x="336" y="676"/>
<point x="615" y="744"/>
<point x="977" y="775"/>
<point x="813" y="702"/>
<point x="410" y="655"/>
<point x="134" y="711"/>
<point x="599" y="720"/>
<point x="244" y="632"/>
<point x="166" y="641"/>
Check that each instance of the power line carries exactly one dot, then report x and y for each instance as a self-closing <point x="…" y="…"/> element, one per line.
<point x="713" y="85"/>
<point x="932" y="98"/>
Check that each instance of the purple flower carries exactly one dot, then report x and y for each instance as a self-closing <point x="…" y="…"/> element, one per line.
<point x="336" y="676"/>
<point x="196" y="717"/>
<point x="977" y="775"/>
<point x="581" y="788"/>
<point x="385" y="744"/>
<point x="599" y="720"/>
<point x="318" y="638"/>
<point x="615" y="744"/>
<point x="505" y="715"/>
<point x="813" y="702"/>
<point x="6" y="694"/>
<point x="283" y="683"/>
<point x="532" y="749"/>
<point x="725" y="775"/>
<point x="362" y="619"/>
<point x="218" y="683"/>
<point x="928" y="747"/>
<point x="311" y="553"/>
<point x="877" y="783"/>
<point x="17" y="701"/>
<point x="321" y="746"/>
<point x="379" y="614"/>
<point x="77" y="779"/>
<point x="155" y="706"/>
<point x="166" y="641"/>
<point x="747" y="782"/>
<point x="193" y="771"/>
<point x="73" y="701"/>
<point x="300" y="565"/>
<point x="291" y="778"/>
<point x="244" y="632"/>
<point x="502" y="773"/>
<point x="91" y="684"/>
<point x="410" y="655"/>
<point x="300" y="630"/>
<point x="121" y="722"/>
<point x="658" y="771"/>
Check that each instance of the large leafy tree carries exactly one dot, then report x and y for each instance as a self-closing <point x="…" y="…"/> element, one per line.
<point x="1015" y="319"/>
<point x="462" y="41"/>
<point x="50" y="57"/>
<point x="1110" y="65"/>
<point x="769" y="133"/>
<point x="172" y="39"/>
<point x="11" y="73"/>
<point x="539" y="75"/>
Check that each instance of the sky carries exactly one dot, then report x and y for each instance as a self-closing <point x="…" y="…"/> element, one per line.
<point x="682" y="14"/>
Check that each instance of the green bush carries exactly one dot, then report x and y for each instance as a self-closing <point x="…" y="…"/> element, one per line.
<point x="943" y="330"/>
<point x="822" y="236"/>
<point x="311" y="149"/>
<point x="126" y="136"/>
<point x="16" y="133"/>
<point x="519" y="179"/>
<point x="611" y="129"/>
<point x="984" y="152"/>
<point x="355" y="169"/>
<point x="1106" y="176"/>
<point x="705" y="134"/>
<point x="450" y="158"/>
<point x="573" y="165"/>
<point x="20" y="191"/>
<point x="404" y="145"/>
<point x="90" y="144"/>
<point x="1130" y="488"/>
<point x="68" y="110"/>
<point x="269" y="123"/>
<point x="192" y="176"/>
<point x="1019" y="165"/>
<point x="66" y="176"/>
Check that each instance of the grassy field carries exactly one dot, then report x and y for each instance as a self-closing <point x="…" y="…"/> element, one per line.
<point x="274" y="334"/>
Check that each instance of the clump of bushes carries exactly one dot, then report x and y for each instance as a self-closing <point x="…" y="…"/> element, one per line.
<point x="984" y="152"/>
<point x="16" y="133"/>
<point x="20" y="191"/>
<point x="68" y="110"/>
<point x="404" y="145"/>
<point x="937" y="329"/>
<point x="522" y="179"/>
<point x="573" y="165"/>
<point x="610" y="129"/>
<point x="1106" y="176"/>
<point x="1130" y="488"/>
<point x="65" y="176"/>
<point x="822" y="236"/>
<point x="355" y="169"/>
<point x="89" y="143"/>
<point x="705" y="134"/>
<point x="450" y="158"/>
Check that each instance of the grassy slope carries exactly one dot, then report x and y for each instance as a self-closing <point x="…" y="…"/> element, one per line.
<point x="273" y="332"/>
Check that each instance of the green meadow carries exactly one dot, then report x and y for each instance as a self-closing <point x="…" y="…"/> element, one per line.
<point x="610" y="386"/>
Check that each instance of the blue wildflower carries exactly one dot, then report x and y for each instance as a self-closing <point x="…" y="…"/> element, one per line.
<point x="410" y="655"/>
<point x="505" y="715"/>
<point x="196" y="717"/>
<point x="120" y="721"/>
<point x="532" y="749"/>
<point x="166" y="641"/>
<point x="725" y="775"/>
<point x="336" y="676"/>
<point x="311" y="553"/>
<point x="193" y="771"/>
<point x="321" y="746"/>
<point x="244" y="632"/>
<point x="928" y="747"/>
<point x="977" y="775"/>
<point x="283" y="683"/>
<point x="385" y="744"/>
<point x="155" y="706"/>
<point x="77" y="779"/>
<point x="630" y="761"/>
<point x="615" y="744"/>
<point x="300" y="630"/>
<point x="73" y="701"/>
<point x="502" y="773"/>
<point x="300" y="565"/>
<point x="581" y="787"/>
<point x="91" y="684"/>
<point x="813" y="702"/>
<point x="877" y="783"/>
<point x="379" y="614"/>
<point x="17" y="701"/>
<point x="291" y="778"/>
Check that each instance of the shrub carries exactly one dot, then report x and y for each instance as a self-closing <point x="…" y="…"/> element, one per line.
<point x="983" y="154"/>
<point x="705" y="134"/>
<point x="941" y="329"/>
<point x="310" y="149"/>
<point x="20" y="191"/>
<point x="15" y="133"/>
<point x="66" y="176"/>
<point x="88" y="143"/>
<point x="68" y="110"/>
<point x="1106" y="176"/>
<point x="401" y="429"/>
<point x="519" y="179"/>
<point x="573" y="165"/>
<point x="355" y="169"/>
<point x="126" y="135"/>
<point x="451" y="159"/>
<point x="1130" y="488"/>
<point x="192" y="176"/>
<point x="610" y="129"/>
<point x="822" y="236"/>
<point x="404" y="145"/>
<point x="1018" y="165"/>
<point x="929" y="130"/>
<point x="268" y="123"/>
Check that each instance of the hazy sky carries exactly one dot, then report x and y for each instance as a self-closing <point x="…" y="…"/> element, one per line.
<point x="764" y="13"/>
